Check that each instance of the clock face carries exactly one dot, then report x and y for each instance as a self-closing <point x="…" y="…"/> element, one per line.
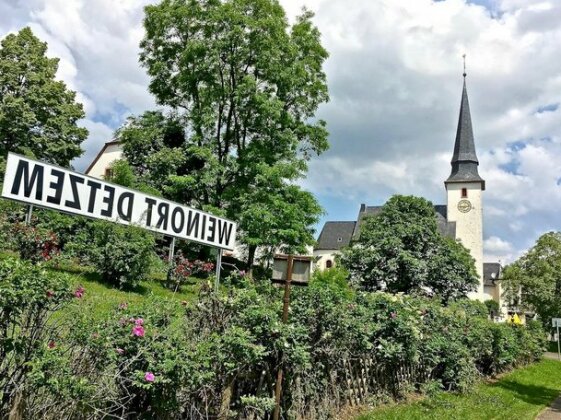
<point x="464" y="206"/>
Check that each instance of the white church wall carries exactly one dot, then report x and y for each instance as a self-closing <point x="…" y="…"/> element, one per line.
<point x="469" y="225"/>
<point x="322" y="256"/>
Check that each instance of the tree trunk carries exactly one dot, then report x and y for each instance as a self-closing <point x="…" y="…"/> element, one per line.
<point x="251" y="260"/>
<point x="226" y="399"/>
<point x="16" y="413"/>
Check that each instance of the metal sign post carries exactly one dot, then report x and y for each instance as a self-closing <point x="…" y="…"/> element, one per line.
<point x="171" y="260"/>
<point x="28" y="214"/>
<point x="218" y="269"/>
<point x="555" y="323"/>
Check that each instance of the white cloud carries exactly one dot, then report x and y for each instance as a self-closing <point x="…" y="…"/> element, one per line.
<point x="496" y="244"/>
<point x="394" y="75"/>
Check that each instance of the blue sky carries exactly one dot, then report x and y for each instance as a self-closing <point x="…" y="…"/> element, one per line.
<point x="394" y="76"/>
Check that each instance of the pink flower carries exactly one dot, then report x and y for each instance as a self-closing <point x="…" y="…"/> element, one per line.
<point x="79" y="292"/>
<point x="138" y="331"/>
<point x="149" y="377"/>
<point x="119" y="350"/>
<point x="51" y="344"/>
<point x="123" y="305"/>
<point x="139" y="321"/>
<point x="50" y="293"/>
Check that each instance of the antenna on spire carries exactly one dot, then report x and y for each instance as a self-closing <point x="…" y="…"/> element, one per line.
<point x="464" y="56"/>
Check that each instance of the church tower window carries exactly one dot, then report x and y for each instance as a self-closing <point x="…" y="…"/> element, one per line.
<point x="464" y="192"/>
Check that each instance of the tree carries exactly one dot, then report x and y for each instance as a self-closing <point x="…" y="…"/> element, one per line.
<point x="38" y="114"/>
<point x="534" y="280"/>
<point x="401" y="250"/>
<point x="243" y="87"/>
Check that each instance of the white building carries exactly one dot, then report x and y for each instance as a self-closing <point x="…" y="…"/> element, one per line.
<point x="101" y="165"/>
<point x="461" y="218"/>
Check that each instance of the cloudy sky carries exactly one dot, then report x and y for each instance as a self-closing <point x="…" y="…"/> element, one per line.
<point x="394" y="75"/>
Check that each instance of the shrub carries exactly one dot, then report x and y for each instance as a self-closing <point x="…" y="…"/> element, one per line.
<point x="493" y="307"/>
<point x="123" y="255"/>
<point x="182" y="269"/>
<point x="29" y="296"/>
<point x="219" y="357"/>
<point x="34" y="243"/>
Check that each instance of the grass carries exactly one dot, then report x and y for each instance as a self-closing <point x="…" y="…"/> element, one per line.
<point x="103" y="297"/>
<point x="520" y="395"/>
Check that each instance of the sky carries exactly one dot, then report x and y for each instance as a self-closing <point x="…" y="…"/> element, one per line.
<point x="395" y="80"/>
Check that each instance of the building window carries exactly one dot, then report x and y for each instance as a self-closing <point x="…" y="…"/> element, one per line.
<point x="464" y="192"/>
<point x="328" y="264"/>
<point x="108" y="173"/>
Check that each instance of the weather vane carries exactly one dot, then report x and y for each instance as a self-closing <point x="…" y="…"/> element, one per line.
<point x="464" y="56"/>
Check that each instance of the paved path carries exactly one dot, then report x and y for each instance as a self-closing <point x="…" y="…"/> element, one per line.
<point x="553" y="412"/>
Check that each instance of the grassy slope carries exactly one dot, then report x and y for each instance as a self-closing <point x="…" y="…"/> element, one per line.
<point x="519" y="395"/>
<point x="104" y="297"/>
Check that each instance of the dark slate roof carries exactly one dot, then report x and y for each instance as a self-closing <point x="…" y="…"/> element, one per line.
<point x="445" y="227"/>
<point x="464" y="160"/>
<point x="491" y="272"/>
<point x="335" y="235"/>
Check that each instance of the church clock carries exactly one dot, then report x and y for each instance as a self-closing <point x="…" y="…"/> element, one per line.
<point x="464" y="206"/>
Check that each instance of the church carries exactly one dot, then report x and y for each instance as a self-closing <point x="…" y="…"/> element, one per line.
<point x="461" y="218"/>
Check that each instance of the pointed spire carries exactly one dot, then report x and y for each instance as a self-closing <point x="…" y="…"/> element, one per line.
<point x="464" y="160"/>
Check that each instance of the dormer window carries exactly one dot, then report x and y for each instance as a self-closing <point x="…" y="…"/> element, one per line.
<point x="464" y="192"/>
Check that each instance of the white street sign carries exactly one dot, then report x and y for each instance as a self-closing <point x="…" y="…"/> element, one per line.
<point x="44" y="185"/>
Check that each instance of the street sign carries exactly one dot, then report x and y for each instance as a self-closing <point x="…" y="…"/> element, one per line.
<point x="556" y="322"/>
<point x="301" y="269"/>
<point x="44" y="185"/>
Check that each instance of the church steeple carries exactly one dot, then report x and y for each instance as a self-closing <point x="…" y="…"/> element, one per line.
<point x="464" y="160"/>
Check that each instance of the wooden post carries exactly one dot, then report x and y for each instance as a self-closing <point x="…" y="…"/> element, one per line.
<point x="286" y="303"/>
<point x="218" y="268"/>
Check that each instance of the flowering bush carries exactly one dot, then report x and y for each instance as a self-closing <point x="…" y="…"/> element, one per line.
<point x="29" y="296"/>
<point x="182" y="268"/>
<point x="219" y="356"/>
<point x="34" y="244"/>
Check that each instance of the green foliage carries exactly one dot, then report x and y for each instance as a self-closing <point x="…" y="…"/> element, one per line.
<point x="29" y="296"/>
<point x="38" y="114"/>
<point x="534" y="280"/>
<point x="335" y="280"/>
<point x="34" y="243"/>
<point x="493" y="307"/>
<point x="123" y="255"/>
<point x="243" y="87"/>
<point x="401" y="250"/>
<point x="219" y="355"/>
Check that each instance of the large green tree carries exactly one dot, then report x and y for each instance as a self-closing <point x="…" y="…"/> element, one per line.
<point x="401" y="250"/>
<point x="243" y="85"/>
<point x="534" y="280"/>
<point x="38" y="114"/>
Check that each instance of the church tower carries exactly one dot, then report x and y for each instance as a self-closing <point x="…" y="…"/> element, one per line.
<point x="464" y="188"/>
